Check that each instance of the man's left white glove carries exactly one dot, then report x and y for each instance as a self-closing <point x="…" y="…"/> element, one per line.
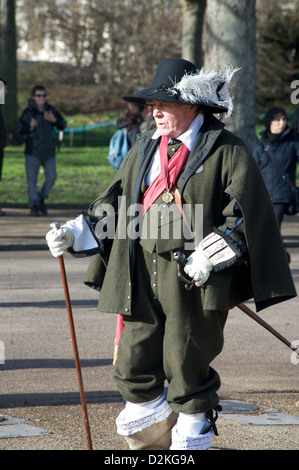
<point x="198" y="266"/>
<point x="59" y="240"/>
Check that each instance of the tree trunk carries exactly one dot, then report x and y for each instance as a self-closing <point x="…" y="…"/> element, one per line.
<point x="229" y="37"/>
<point x="8" y="60"/>
<point x="193" y="15"/>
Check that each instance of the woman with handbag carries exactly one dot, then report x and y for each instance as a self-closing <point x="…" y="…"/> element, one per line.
<point x="277" y="155"/>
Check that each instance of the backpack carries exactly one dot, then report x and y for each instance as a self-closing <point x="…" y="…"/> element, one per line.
<point x="118" y="148"/>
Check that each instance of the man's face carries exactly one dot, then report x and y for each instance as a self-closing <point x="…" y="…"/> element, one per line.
<point x="40" y="97"/>
<point x="172" y="119"/>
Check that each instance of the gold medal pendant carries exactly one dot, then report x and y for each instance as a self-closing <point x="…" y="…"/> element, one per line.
<point x="167" y="197"/>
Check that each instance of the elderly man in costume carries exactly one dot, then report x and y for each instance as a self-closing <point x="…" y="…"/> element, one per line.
<point x="171" y="334"/>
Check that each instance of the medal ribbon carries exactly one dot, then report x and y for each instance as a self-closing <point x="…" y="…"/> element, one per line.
<point x="170" y="170"/>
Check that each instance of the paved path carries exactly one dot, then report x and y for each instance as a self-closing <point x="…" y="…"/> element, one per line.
<point x="38" y="388"/>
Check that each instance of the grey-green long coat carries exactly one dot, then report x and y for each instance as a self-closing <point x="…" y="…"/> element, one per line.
<point x="219" y="170"/>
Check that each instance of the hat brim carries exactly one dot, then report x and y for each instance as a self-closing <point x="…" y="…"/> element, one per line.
<point x="161" y="95"/>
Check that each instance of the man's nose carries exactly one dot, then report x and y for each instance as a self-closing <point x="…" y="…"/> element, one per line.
<point x="156" y="111"/>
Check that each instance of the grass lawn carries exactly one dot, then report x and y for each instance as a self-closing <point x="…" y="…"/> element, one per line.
<point x="83" y="173"/>
<point x="83" y="170"/>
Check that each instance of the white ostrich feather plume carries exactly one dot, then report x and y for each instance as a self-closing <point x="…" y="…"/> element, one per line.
<point x="211" y="88"/>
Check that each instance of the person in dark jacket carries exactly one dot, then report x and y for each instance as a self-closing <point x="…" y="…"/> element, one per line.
<point x="277" y="138"/>
<point x="294" y="124"/>
<point x="2" y="136"/>
<point x="38" y="121"/>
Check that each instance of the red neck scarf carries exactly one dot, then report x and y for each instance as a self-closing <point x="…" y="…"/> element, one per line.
<point x="170" y="170"/>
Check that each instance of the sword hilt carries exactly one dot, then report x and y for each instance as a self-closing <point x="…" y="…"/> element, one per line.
<point x="181" y="260"/>
<point x="55" y="225"/>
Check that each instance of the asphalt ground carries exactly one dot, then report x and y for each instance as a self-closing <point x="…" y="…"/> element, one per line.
<point x="39" y="387"/>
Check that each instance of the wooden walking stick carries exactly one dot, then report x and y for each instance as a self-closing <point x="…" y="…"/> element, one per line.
<point x="74" y="341"/>
<point x="266" y="325"/>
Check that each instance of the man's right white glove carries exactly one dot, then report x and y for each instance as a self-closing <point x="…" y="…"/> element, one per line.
<point x="59" y="240"/>
<point x="213" y="252"/>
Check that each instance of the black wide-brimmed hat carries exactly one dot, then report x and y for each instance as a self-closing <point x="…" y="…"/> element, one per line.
<point x="178" y="80"/>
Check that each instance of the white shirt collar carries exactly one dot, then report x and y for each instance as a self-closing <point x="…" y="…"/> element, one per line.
<point x="188" y="137"/>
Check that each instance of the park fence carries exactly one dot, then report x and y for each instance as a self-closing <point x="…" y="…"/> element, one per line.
<point x="92" y="135"/>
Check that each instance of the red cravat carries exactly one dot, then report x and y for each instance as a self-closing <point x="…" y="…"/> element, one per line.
<point x="170" y="170"/>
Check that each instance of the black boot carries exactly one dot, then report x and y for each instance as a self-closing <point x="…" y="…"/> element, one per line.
<point x="34" y="210"/>
<point x="42" y="207"/>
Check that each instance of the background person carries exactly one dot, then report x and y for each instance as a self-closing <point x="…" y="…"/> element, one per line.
<point x="2" y="137"/>
<point x="38" y="121"/>
<point x="294" y="124"/>
<point x="278" y="139"/>
<point x="132" y="120"/>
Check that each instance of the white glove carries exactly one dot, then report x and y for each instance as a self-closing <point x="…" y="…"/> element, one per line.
<point x="198" y="267"/>
<point x="59" y="240"/>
